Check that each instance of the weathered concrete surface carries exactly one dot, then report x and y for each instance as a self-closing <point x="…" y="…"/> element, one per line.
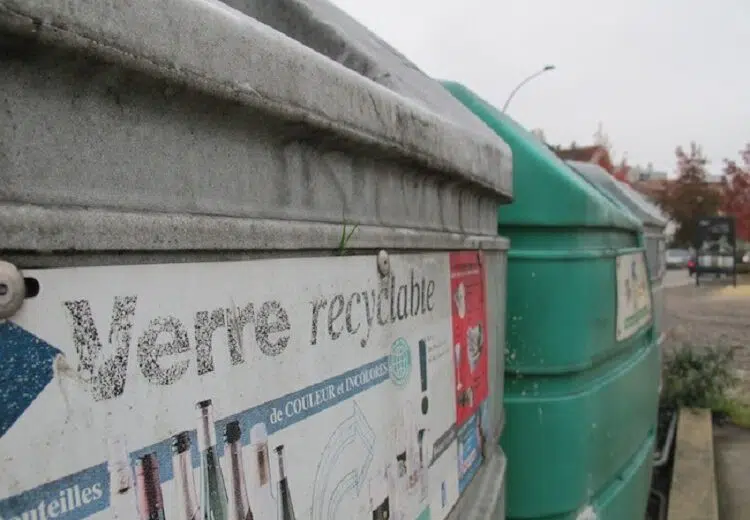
<point x="693" y="493"/>
<point x="732" y="447"/>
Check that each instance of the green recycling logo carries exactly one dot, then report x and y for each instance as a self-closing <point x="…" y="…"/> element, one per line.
<point x="399" y="362"/>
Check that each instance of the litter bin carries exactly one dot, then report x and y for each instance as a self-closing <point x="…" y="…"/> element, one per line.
<point x="582" y="371"/>
<point x="237" y="277"/>
<point x="654" y="224"/>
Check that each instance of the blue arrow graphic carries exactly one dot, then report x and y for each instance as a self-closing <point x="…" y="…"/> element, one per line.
<point x="354" y="427"/>
<point x="26" y="368"/>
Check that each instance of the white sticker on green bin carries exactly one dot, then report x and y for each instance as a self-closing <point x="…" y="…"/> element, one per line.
<point x="633" y="295"/>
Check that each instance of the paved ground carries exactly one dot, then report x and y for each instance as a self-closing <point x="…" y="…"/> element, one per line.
<point x="717" y="314"/>
<point x="712" y="315"/>
<point x="676" y="278"/>
<point x="732" y="447"/>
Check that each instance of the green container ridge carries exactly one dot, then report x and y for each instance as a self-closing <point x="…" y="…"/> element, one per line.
<point x="581" y="407"/>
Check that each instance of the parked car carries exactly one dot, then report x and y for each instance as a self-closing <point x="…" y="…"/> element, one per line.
<point x="677" y="258"/>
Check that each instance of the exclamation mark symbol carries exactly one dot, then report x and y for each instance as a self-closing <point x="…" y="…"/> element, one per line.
<point x="423" y="374"/>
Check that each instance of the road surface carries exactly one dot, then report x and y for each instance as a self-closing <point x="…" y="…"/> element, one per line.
<point x="677" y="278"/>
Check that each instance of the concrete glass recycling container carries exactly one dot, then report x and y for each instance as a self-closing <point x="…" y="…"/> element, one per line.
<point x="582" y="369"/>
<point x="239" y="279"/>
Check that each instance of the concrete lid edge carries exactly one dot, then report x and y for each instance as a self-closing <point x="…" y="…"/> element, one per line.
<point x="208" y="46"/>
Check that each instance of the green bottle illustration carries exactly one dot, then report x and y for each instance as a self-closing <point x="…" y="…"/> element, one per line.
<point x="214" y="502"/>
<point x="285" y="509"/>
<point x="239" y="504"/>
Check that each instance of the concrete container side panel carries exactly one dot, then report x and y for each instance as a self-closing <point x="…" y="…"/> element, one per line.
<point x="484" y="498"/>
<point x="76" y="132"/>
<point x="46" y="237"/>
<point x="496" y="273"/>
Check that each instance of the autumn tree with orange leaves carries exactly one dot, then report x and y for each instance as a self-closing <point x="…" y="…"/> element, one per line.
<point x="736" y="193"/>
<point x="690" y="196"/>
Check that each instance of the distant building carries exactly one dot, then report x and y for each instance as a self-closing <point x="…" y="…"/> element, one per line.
<point x="639" y="173"/>
<point x="596" y="154"/>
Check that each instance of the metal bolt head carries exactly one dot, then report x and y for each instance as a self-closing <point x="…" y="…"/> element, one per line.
<point x="12" y="290"/>
<point x="384" y="263"/>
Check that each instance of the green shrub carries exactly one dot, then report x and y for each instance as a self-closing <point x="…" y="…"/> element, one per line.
<point x="698" y="377"/>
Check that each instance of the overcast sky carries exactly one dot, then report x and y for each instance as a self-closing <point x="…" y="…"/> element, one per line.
<point x="656" y="73"/>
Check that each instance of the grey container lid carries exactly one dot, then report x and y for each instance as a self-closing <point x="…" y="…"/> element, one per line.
<point x="149" y="113"/>
<point x="660" y="218"/>
<point x="627" y="196"/>
<point x="216" y="48"/>
<point x="324" y="27"/>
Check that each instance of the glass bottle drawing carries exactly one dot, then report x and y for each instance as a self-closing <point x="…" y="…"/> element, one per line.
<point x="239" y="505"/>
<point x="285" y="506"/>
<point x="122" y="500"/>
<point x="378" y="491"/>
<point x="261" y="492"/>
<point x="148" y="486"/>
<point x="423" y="464"/>
<point x="214" y="501"/>
<point x="186" y="499"/>
<point x="412" y="447"/>
<point x="394" y="489"/>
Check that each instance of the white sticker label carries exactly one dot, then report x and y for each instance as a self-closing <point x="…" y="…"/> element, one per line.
<point x="633" y="295"/>
<point x="314" y="385"/>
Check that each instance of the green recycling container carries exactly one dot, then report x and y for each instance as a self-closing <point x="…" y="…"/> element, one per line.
<point x="582" y="364"/>
<point x="654" y="225"/>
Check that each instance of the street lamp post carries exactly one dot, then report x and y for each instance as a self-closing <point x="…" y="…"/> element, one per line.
<point x="518" y="87"/>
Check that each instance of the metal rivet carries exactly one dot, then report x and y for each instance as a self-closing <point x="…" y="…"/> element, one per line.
<point x="384" y="263"/>
<point x="12" y="290"/>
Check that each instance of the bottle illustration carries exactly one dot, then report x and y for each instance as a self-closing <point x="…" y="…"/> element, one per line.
<point x="214" y="501"/>
<point x="457" y="366"/>
<point x="148" y="484"/>
<point x="186" y="498"/>
<point x="460" y="299"/>
<point x="475" y="344"/>
<point x="423" y="464"/>
<point x="122" y="500"/>
<point x="239" y="505"/>
<point x="395" y="511"/>
<point x="378" y="490"/>
<point x="261" y="493"/>
<point x="412" y="447"/>
<point x="401" y="465"/>
<point x="285" y="509"/>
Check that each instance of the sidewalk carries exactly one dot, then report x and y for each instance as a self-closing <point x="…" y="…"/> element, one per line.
<point x="714" y="315"/>
<point x="732" y="448"/>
